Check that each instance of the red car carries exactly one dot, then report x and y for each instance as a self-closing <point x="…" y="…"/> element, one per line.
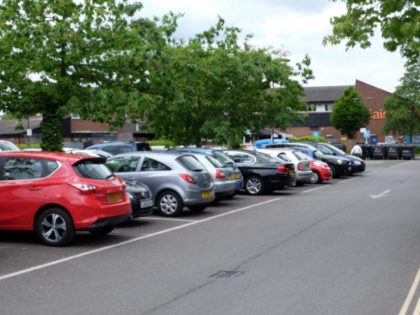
<point x="56" y="194"/>
<point x="320" y="172"/>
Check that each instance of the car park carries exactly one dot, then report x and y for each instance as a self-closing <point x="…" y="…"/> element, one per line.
<point x="221" y="157"/>
<point x="339" y="166"/>
<point x="57" y="194"/>
<point x="175" y="179"/>
<point x="118" y="147"/>
<point x="300" y="161"/>
<point x="261" y="172"/>
<point x="357" y="164"/>
<point x="8" y="146"/>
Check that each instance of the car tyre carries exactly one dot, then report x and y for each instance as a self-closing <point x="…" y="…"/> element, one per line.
<point x="197" y="208"/>
<point x="254" y="185"/>
<point x="54" y="227"/>
<point x="315" y="178"/>
<point x="169" y="203"/>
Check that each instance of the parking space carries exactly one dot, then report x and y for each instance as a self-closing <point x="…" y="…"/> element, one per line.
<point x="19" y="251"/>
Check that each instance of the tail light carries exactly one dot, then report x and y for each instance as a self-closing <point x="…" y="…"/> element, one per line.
<point x="281" y="169"/>
<point x="84" y="187"/>
<point x="220" y="174"/>
<point x="188" y="178"/>
<point x="300" y="167"/>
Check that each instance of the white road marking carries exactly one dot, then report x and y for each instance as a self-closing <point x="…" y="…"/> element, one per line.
<point x="417" y="309"/>
<point x="381" y="195"/>
<point x="167" y="219"/>
<point x="314" y="189"/>
<point x="94" y="251"/>
<point x="410" y="296"/>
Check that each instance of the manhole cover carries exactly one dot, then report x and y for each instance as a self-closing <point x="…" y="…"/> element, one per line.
<point x="227" y="274"/>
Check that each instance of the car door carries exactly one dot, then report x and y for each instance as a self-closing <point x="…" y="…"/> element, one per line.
<point x="22" y="191"/>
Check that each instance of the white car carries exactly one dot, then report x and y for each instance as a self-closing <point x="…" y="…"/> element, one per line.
<point x="8" y="146"/>
<point x="299" y="159"/>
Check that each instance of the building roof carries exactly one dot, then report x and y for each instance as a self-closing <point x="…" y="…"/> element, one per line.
<point x="324" y="94"/>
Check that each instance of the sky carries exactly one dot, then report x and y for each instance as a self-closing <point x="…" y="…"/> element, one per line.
<point x="295" y="26"/>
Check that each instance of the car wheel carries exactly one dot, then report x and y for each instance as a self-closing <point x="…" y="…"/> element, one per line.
<point x="54" y="227"/>
<point x="197" y="208"/>
<point x="102" y="231"/>
<point x="333" y="171"/>
<point x="315" y="178"/>
<point x="254" y="185"/>
<point x="169" y="204"/>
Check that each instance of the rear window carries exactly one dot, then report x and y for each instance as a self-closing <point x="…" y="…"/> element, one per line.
<point x="216" y="163"/>
<point x="283" y="156"/>
<point x="92" y="168"/>
<point x="190" y="163"/>
<point x="301" y="156"/>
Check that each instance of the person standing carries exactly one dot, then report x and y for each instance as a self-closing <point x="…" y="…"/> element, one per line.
<point x="356" y="150"/>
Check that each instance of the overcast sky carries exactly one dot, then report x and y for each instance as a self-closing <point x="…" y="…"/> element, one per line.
<point x="296" y="26"/>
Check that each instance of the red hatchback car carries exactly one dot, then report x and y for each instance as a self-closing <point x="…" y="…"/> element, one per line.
<point x="55" y="194"/>
<point x="320" y="172"/>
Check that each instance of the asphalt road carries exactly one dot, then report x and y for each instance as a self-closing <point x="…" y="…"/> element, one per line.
<point x="348" y="247"/>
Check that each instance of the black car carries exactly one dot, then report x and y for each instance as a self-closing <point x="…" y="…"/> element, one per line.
<point x="357" y="164"/>
<point x="340" y="166"/>
<point x="141" y="199"/>
<point x="261" y="172"/>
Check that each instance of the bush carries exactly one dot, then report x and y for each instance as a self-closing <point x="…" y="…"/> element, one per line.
<point x="417" y="150"/>
<point x="23" y="146"/>
<point x="161" y="142"/>
<point x="307" y="139"/>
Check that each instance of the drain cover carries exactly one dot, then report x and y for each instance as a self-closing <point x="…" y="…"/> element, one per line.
<point x="227" y="274"/>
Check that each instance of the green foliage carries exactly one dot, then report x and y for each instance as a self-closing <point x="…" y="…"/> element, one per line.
<point x="23" y="146"/>
<point x="307" y="139"/>
<point x="403" y="107"/>
<point x="214" y="87"/>
<point x="162" y="142"/>
<point x="349" y="113"/>
<point x="398" y="21"/>
<point x="85" y="57"/>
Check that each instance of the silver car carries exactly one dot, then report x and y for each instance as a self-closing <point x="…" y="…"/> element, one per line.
<point x="300" y="160"/>
<point x="175" y="179"/>
<point x="224" y="176"/>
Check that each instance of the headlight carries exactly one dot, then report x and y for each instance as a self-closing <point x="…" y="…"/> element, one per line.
<point x="143" y="195"/>
<point x="340" y="161"/>
<point x="357" y="162"/>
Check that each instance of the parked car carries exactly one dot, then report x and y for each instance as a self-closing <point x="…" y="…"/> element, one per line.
<point x="8" y="146"/>
<point x="357" y="164"/>
<point x="141" y="199"/>
<point x="261" y="172"/>
<point x="339" y="165"/>
<point x="221" y="157"/>
<point x="56" y="194"/>
<point x="321" y="172"/>
<point x="93" y="152"/>
<point x="224" y="176"/>
<point x="175" y="179"/>
<point x="300" y="161"/>
<point x="118" y="147"/>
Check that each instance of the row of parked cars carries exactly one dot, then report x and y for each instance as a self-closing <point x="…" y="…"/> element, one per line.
<point x="56" y="194"/>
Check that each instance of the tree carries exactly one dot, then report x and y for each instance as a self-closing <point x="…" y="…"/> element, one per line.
<point x="86" y="57"/>
<point x="216" y="88"/>
<point x="397" y="19"/>
<point x="349" y="113"/>
<point x="403" y="107"/>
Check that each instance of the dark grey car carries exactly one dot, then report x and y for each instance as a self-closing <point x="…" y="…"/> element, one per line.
<point x="175" y="179"/>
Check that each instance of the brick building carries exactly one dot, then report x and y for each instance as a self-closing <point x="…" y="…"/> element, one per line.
<point x="320" y="102"/>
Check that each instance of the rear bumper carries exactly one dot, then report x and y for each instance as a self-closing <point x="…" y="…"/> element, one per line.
<point x="110" y="221"/>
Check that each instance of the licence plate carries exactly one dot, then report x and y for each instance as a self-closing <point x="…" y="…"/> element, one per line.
<point x="234" y="176"/>
<point x="206" y="194"/>
<point x="114" y="197"/>
<point x="146" y="204"/>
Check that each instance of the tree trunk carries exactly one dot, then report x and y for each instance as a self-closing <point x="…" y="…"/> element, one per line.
<point x="51" y="129"/>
